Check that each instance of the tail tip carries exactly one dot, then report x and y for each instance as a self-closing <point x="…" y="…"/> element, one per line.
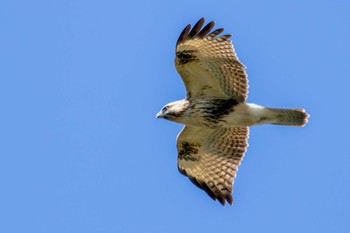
<point x="303" y="117"/>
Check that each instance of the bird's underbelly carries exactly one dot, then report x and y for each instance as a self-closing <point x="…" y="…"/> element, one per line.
<point x="240" y="115"/>
<point x="237" y="119"/>
<point x="246" y="115"/>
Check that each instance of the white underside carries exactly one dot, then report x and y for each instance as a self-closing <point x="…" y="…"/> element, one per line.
<point x="246" y="114"/>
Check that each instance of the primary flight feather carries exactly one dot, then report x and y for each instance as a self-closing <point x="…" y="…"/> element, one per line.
<point x="216" y="116"/>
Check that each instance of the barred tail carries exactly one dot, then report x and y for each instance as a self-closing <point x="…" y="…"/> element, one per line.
<point x="281" y="116"/>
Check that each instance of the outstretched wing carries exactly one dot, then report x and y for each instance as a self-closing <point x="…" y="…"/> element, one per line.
<point x="210" y="158"/>
<point x="208" y="64"/>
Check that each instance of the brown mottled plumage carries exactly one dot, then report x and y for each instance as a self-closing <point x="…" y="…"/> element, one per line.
<point x="216" y="60"/>
<point x="216" y="155"/>
<point x="215" y="113"/>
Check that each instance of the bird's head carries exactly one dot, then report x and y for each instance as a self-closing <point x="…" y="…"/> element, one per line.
<point x="174" y="110"/>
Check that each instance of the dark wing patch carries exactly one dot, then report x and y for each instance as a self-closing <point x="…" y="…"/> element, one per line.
<point x="186" y="56"/>
<point x="216" y="109"/>
<point x="188" y="151"/>
<point x="217" y="153"/>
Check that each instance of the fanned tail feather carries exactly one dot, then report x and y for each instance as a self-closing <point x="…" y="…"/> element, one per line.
<point x="296" y="117"/>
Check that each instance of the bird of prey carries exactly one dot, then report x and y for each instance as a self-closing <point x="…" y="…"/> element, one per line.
<point x="216" y="116"/>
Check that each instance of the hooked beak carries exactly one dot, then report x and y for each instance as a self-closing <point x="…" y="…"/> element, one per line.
<point x="160" y="114"/>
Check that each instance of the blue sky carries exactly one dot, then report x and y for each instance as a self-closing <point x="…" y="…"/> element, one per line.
<point x="82" y="151"/>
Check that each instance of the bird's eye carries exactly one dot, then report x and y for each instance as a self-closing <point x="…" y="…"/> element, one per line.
<point x="165" y="108"/>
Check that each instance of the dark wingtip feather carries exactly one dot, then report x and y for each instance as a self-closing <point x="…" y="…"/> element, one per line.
<point x="216" y="32"/>
<point x="229" y="198"/>
<point x="198" y="31"/>
<point x="225" y="37"/>
<point x="225" y="196"/>
<point x="206" y="29"/>
<point x="196" y="28"/>
<point x="221" y="195"/>
<point x="195" y="182"/>
<point x="222" y="200"/>
<point x="183" y="35"/>
<point x="210" y="193"/>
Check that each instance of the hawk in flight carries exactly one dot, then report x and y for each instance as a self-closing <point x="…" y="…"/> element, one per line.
<point x="216" y="116"/>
